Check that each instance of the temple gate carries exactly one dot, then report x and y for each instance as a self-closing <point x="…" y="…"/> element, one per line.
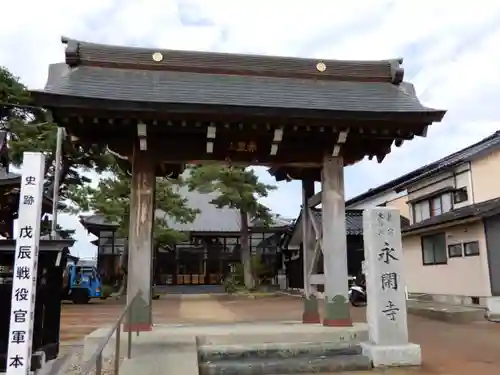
<point x="305" y="118"/>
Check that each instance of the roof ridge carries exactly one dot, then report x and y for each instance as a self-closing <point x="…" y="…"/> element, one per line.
<point x="146" y="58"/>
<point x="70" y="41"/>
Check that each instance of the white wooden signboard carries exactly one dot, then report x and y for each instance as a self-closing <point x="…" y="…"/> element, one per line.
<point x="25" y="265"/>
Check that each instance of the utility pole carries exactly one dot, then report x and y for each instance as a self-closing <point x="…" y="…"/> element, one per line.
<point x="57" y="172"/>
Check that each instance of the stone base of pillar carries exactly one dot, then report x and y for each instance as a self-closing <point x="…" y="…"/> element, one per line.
<point x="311" y="318"/>
<point x="138" y="327"/>
<point x="337" y="312"/>
<point x="311" y="311"/>
<point x="393" y="355"/>
<point x="337" y="322"/>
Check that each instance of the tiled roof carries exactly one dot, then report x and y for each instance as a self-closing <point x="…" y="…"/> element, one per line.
<point x="486" y="145"/>
<point x="97" y="220"/>
<point x="80" y="53"/>
<point x="353" y="221"/>
<point x="233" y="90"/>
<point x="210" y="219"/>
<point x="483" y="209"/>
<point x="9" y="177"/>
<point x="482" y="147"/>
<point x="118" y="73"/>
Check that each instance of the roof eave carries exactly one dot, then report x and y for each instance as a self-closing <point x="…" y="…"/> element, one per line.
<point x="58" y="100"/>
<point x="445" y="224"/>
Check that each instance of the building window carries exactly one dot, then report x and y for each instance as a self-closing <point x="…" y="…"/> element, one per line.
<point x="434" y="249"/>
<point x="460" y="195"/>
<point x="471" y="248"/>
<point x="455" y="250"/>
<point x="434" y="206"/>
<point x="422" y="211"/>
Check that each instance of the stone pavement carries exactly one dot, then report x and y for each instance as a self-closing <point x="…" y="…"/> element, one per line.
<point x="448" y="349"/>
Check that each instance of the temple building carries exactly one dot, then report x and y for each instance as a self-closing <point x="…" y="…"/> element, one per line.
<point x="211" y="251"/>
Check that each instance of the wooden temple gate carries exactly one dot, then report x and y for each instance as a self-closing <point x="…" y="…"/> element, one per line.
<point x="305" y="118"/>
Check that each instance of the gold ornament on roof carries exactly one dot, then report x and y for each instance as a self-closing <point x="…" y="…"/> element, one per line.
<point x="321" y="66"/>
<point x="157" y="56"/>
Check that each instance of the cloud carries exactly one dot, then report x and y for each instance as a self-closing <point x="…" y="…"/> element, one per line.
<point x="450" y="50"/>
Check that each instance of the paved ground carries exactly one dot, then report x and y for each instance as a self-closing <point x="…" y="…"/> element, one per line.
<point x="448" y="349"/>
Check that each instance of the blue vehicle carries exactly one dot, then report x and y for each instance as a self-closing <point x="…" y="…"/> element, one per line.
<point x="81" y="283"/>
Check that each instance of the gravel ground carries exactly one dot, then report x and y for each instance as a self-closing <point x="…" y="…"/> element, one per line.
<point x="72" y="365"/>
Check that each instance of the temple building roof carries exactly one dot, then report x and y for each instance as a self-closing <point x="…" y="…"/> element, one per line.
<point x="283" y="112"/>
<point x="210" y="219"/>
<point x="185" y="77"/>
<point x="234" y="90"/>
<point x="9" y="178"/>
<point x="353" y="221"/>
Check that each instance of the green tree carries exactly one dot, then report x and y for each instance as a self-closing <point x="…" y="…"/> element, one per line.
<point x="239" y="188"/>
<point x="31" y="129"/>
<point x="111" y="198"/>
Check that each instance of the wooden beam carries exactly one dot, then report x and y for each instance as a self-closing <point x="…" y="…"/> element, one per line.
<point x="314" y="200"/>
<point x="310" y="313"/>
<point x="278" y="137"/>
<point x="211" y="134"/>
<point x="142" y="134"/>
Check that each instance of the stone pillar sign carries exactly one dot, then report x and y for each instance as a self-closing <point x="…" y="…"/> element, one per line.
<point x="385" y="282"/>
<point x="25" y="265"/>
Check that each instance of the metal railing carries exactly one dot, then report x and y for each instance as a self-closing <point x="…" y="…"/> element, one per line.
<point x="96" y="361"/>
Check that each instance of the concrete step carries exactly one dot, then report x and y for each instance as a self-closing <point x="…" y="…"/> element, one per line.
<point x="281" y="358"/>
<point x="164" y="360"/>
<point x="444" y="312"/>
<point x="292" y="332"/>
<point x="212" y="353"/>
<point x="290" y="365"/>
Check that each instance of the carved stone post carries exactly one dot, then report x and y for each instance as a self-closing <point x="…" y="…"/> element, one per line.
<point x="140" y="241"/>
<point x="385" y="282"/>
<point x="311" y="313"/>
<point x="334" y="243"/>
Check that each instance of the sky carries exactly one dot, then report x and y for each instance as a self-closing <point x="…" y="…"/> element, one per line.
<point x="451" y="52"/>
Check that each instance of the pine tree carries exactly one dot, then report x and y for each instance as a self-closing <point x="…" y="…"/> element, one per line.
<point x="238" y="188"/>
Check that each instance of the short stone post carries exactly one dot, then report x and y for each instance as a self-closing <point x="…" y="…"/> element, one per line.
<point x="385" y="281"/>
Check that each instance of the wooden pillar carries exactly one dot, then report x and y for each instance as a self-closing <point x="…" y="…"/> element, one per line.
<point x="311" y="312"/>
<point x="140" y="240"/>
<point x="334" y="243"/>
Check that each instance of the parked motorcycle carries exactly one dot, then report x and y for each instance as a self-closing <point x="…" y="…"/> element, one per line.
<point x="357" y="295"/>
